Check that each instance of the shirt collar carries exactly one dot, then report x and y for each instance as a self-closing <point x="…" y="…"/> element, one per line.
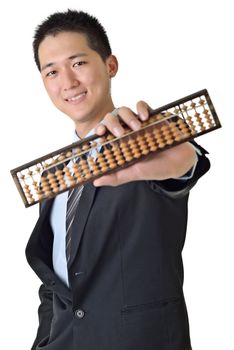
<point x="94" y="151"/>
<point x="77" y="138"/>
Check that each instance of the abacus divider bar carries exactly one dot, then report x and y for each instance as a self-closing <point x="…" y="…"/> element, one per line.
<point x="94" y="136"/>
<point x="125" y="165"/>
<point x="50" y="155"/>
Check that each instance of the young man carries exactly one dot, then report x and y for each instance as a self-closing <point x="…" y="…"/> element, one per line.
<point x="121" y="288"/>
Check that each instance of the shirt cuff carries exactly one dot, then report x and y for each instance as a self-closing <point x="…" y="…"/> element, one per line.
<point x="190" y="173"/>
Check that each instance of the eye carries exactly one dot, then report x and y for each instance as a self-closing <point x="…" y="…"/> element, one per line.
<point x="78" y="64"/>
<point x="51" y="73"/>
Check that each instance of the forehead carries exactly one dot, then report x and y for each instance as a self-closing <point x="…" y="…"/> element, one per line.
<point x="58" y="47"/>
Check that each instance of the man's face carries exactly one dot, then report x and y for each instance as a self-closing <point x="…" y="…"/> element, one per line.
<point x="75" y="77"/>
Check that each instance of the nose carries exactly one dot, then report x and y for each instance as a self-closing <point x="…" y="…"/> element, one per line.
<point x="69" y="80"/>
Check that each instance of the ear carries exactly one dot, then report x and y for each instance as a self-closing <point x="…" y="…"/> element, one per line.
<point x="112" y="66"/>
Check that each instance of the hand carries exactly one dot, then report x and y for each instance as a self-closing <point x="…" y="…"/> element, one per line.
<point x="125" y="115"/>
<point x="114" y="124"/>
<point x="170" y="163"/>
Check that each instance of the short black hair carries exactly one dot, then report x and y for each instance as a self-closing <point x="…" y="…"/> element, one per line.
<point x="73" y="21"/>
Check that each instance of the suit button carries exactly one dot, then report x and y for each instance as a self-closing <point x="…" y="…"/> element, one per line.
<point x="79" y="313"/>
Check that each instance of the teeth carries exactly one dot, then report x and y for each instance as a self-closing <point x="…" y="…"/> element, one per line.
<point x="75" y="98"/>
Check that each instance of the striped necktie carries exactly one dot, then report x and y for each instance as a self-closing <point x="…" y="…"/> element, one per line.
<point x="72" y="202"/>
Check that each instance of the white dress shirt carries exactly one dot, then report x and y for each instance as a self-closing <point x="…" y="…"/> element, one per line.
<point x="58" y="224"/>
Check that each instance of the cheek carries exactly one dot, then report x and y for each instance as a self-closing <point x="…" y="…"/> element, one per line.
<point x="98" y="77"/>
<point x="52" y="89"/>
<point x="100" y="82"/>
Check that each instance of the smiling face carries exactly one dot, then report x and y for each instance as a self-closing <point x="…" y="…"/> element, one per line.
<point x="76" y="78"/>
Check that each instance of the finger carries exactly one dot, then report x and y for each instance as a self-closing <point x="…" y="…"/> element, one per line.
<point x="112" y="123"/>
<point x="127" y="116"/>
<point x="143" y="110"/>
<point x="118" y="178"/>
<point x="107" y="180"/>
<point x="100" y="129"/>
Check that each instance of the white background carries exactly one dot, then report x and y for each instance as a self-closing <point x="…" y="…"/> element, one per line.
<point x="166" y="50"/>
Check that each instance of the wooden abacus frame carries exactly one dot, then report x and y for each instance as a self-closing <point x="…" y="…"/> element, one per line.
<point x="92" y="157"/>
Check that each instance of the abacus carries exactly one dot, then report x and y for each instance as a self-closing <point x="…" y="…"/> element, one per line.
<point x="92" y="157"/>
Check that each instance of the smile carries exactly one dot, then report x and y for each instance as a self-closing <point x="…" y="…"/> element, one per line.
<point x="76" y="97"/>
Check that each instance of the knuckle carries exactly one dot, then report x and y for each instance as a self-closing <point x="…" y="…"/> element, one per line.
<point x="107" y="119"/>
<point x="124" y="110"/>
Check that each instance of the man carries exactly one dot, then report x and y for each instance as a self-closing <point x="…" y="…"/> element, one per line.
<point x="121" y="288"/>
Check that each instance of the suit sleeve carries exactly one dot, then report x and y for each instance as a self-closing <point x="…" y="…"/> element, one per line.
<point x="45" y="314"/>
<point x="176" y="188"/>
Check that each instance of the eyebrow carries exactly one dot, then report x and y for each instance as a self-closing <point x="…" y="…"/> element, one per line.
<point x="70" y="58"/>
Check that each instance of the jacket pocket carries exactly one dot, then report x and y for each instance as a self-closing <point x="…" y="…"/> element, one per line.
<point x="152" y="312"/>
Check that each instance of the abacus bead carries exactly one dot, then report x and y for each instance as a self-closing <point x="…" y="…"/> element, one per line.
<point x="164" y="128"/>
<point x="69" y="154"/>
<point x="120" y="160"/>
<point x="136" y="154"/>
<point x="78" y="176"/>
<point x="55" y="189"/>
<point x="112" y="164"/>
<point x="129" y="157"/>
<point x="85" y="147"/>
<point x="169" y="141"/>
<point x="61" y="157"/>
<point x="161" y="143"/>
<point x="153" y="148"/>
<point x="66" y="170"/>
<point x="87" y="175"/>
<point x="103" y="167"/>
<point x="45" y="188"/>
<point x="48" y="193"/>
<point x="178" y="137"/>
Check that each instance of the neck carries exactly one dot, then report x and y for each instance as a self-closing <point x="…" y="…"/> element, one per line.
<point x="83" y="128"/>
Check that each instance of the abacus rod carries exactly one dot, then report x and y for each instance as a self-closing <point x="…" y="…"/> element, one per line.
<point x="204" y="102"/>
<point x="131" y="162"/>
<point x="95" y="136"/>
<point x="107" y="142"/>
<point x="126" y="164"/>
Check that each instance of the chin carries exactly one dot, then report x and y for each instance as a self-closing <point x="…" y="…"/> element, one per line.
<point x="81" y="118"/>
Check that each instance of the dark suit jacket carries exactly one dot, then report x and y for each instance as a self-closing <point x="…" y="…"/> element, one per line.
<point x="125" y="272"/>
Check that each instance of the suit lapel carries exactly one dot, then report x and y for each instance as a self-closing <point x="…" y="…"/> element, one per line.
<point x="41" y="263"/>
<point x="39" y="252"/>
<point x="41" y="240"/>
<point x="81" y="217"/>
